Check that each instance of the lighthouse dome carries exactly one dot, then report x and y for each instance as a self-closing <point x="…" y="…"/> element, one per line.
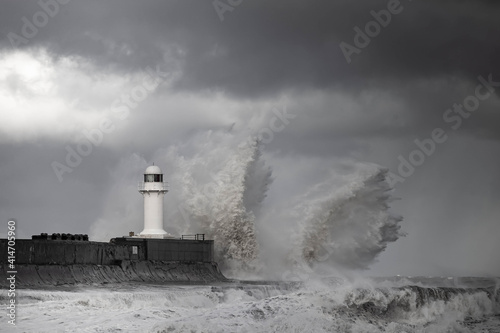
<point x="153" y="170"/>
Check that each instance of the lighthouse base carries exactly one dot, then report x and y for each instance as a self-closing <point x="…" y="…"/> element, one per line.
<point x="155" y="233"/>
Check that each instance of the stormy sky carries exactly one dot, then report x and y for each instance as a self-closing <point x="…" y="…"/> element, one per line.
<point x="413" y="86"/>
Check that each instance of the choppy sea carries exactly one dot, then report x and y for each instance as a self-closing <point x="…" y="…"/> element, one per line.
<point x="396" y="304"/>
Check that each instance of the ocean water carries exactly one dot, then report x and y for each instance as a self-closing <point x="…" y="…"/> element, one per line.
<point x="328" y="305"/>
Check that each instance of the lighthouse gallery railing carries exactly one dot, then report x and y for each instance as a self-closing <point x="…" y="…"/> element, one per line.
<point x="151" y="186"/>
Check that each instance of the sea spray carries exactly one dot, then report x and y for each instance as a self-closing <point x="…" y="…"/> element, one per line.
<point x="348" y="226"/>
<point x="225" y="207"/>
<point x="218" y="186"/>
<point x="124" y="212"/>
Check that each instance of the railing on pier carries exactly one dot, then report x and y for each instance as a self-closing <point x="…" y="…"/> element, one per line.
<point x="194" y="237"/>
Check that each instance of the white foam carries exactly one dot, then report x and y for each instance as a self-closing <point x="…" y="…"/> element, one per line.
<point x="342" y="307"/>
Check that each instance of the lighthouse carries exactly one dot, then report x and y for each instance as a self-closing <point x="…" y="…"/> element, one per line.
<point x="153" y="190"/>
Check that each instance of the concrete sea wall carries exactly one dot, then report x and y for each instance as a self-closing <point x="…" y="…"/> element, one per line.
<point x="133" y="271"/>
<point x="56" y="262"/>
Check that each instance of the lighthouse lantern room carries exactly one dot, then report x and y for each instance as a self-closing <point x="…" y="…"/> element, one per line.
<point x="153" y="189"/>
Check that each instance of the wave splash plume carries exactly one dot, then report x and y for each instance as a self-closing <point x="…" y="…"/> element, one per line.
<point x="222" y="185"/>
<point x="226" y="205"/>
<point x="350" y="226"/>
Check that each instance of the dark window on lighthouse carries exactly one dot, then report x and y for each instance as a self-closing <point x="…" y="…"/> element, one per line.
<point x="153" y="178"/>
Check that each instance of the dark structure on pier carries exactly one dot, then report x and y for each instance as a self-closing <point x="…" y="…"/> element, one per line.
<point x="53" y="259"/>
<point x="67" y="249"/>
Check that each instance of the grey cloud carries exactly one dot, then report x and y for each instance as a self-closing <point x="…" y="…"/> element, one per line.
<point x="263" y="47"/>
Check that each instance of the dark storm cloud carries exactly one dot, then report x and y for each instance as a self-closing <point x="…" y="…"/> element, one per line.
<point x="264" y="46"/>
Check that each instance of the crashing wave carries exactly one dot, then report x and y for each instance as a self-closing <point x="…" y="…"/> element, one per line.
<point x="227" y="205"/>
<point x="218" y="187"/>
<point x="350" y="226"/>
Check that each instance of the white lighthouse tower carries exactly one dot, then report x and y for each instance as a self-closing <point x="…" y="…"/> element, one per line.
<point x="153" y="189"/>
